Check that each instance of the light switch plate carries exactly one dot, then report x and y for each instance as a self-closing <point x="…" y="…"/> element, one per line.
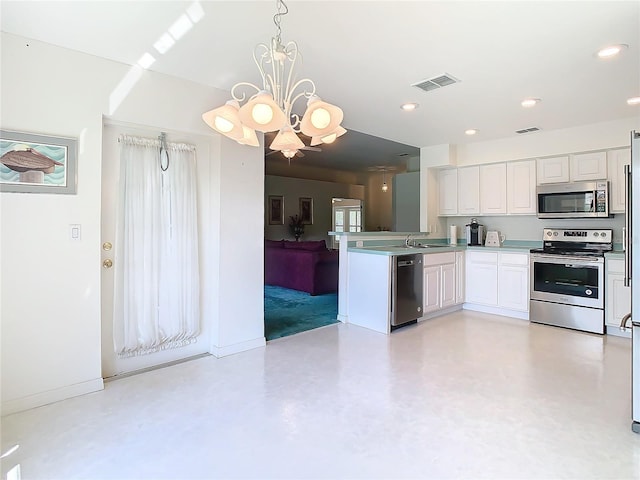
<point x="75" y="232"/>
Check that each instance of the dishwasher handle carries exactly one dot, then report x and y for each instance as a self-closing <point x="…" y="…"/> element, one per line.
<point x="406" y="263"/>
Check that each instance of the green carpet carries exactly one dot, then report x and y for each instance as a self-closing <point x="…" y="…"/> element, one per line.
<point x="289" y="311"/>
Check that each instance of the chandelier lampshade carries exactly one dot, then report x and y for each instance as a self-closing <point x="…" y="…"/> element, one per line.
<point x="321" y="118"/>
<point x="262" y="113"/>
<point x="270" y="108"/>
<point x="329" y="138"/>
<point x="286" y="140"/>
<point x="249" y="137"/>
<point x="225" y="120"/>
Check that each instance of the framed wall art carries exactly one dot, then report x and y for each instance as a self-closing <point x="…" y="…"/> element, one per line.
<point x="276" y="210"/>
<point x="31" y="163"/>
<point x="306" y="210"/>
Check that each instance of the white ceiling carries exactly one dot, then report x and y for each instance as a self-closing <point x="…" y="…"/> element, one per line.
<point x="364" y="56"/>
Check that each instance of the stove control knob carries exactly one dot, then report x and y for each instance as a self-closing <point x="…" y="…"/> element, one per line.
<point x="596" y="234"/>
<point x="603" y="234"/>
<point x="588" y="291"/>
<point x="555" y="234"/>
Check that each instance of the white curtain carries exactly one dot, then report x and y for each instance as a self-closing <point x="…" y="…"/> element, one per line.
<point x="157" y="291"/>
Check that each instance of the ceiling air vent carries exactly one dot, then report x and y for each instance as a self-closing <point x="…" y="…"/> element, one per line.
<point x="528" y="130"/>
<point x="436" y="82"/>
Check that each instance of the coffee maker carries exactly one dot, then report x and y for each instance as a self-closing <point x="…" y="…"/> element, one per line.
<point x="475" y="233"/>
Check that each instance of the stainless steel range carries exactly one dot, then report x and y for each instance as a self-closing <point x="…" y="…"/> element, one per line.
<point x="567" y="279"/>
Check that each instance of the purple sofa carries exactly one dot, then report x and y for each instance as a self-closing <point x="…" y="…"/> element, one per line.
<point x="305" y="266"/>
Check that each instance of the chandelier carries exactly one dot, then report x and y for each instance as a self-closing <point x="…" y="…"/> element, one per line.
<point x="269" y="108"/>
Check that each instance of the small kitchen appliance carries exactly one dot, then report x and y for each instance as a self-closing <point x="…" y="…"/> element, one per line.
<point x="494" y="239"/>
<point x="475" y="233"/>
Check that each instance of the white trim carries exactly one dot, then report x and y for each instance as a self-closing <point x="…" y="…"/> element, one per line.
<point x="343" y="318"/>
<point x="505" y="312"/>
<point x="439" y="313"/>
<point x="51" y="396"/>
<point x="238" y="347"/>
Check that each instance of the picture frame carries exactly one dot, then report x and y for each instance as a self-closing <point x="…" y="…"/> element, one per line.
<point x="31" y="163"/>
<point x="306" y="210"/>
<point x="276" y="210"/>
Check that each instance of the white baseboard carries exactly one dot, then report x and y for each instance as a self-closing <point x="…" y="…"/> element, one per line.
<point x="238" y="347"/>
<point x="505" y="312"/>
<point x="439" y="313"/>
<point x="51" y="396"/>
<point x="343" y="318"/>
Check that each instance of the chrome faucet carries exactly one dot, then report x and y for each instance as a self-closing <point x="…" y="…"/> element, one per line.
<point x="409" y="241"/>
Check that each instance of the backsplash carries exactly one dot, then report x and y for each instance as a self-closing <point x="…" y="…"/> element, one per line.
<point x="529" y="227"/>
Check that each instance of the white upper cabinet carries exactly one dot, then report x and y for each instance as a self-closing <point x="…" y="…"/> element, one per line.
<point x="448" y="192"/>
<point x="616" y="160"/>
<point x="588" y="166"/>
<point x="493" y="189"/>
<point x="521" y="187"/>
<point x="469" y="190"/>
<point x="553" y="169"/>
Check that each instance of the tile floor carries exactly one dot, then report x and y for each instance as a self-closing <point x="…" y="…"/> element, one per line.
<point x="468" y="395"/>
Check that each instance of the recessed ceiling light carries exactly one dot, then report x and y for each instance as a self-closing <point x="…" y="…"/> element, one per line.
<point x="471" y="131"/>
<point x="634" y="101"/>
<point x="611" y="50"/>
<point x="530" y="102"/>
<point x="408" y="107"/>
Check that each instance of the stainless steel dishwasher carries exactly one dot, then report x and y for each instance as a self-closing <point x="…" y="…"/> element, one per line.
<point x="406" y="289"/>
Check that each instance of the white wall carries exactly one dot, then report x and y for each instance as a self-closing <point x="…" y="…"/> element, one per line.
<point x="50" y="287"/>
<point x="321" y="193"/>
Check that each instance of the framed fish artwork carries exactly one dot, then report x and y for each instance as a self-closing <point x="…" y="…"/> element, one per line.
<point x="31" y="163"/>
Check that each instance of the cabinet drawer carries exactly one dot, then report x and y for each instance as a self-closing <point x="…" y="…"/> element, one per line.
<point x="431" y="259"/>
<point x="482" y="257"/>
<point x="519" y="259"/>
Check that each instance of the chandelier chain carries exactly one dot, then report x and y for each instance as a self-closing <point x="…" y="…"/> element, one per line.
<point x="277" y="18"/>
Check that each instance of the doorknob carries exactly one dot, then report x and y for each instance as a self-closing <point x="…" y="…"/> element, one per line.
<point x="106" y="246"/>
<point x="107" y="263"/>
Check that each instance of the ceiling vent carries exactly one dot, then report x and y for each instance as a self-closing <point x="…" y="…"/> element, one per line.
<point x="436" y="82"/>
<point x="528" y="130"/>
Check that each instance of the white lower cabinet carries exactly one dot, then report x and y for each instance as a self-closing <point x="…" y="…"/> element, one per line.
<point x="497" y="282"/>
<point x="440" y="281"/>
<point x="617" y="297"/>
<point x="513" y="281"/>
<point x="481" y="278"/>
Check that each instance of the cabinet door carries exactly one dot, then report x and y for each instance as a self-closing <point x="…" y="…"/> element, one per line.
<point x="552" y="170"/>
<point x="481" y="285"/>
<point x="588" y="166"/>
<point x="618" y="297"/>
<point x="448" y="285"/>
<point x="616" y="160"/>
<point x="431" y="289"/>
<point x="448" y="192"/>
<point x="513" y="287"/>
<point x="493" y="189"/>
<point x="459" y="277"/>
<point x="469" y="190"/>
<point x="521" y="187"/>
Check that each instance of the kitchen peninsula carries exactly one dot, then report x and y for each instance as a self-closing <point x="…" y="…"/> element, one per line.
<point x="365" y="267"/>
<point x="487" y="279"/>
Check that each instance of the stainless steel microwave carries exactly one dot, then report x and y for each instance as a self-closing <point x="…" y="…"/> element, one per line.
<point x="574" y="200"/>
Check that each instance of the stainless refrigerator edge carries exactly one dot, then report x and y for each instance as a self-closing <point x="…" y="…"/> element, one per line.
<point x="632" y="271"/>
